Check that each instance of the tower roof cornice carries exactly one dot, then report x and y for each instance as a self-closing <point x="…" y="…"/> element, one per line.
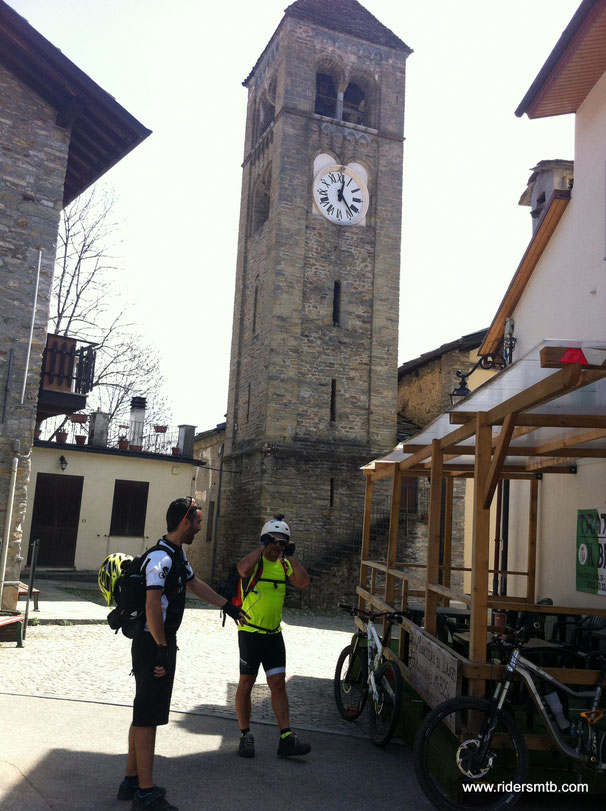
<point x="345" y="16"/>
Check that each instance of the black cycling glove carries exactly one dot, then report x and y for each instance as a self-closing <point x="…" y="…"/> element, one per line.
<point x="232" y="610"/>
<point x="265" y="539"/>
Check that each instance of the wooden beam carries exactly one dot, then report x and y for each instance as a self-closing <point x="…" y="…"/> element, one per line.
<point x="480" y="551"/>
<point x="433" y="537"/>
<point x="448" y="513"/>
<point x="532" y="540"/>
<point x="394" y="525"/>
<point x="551" y="357"/>
<point x="556" y="445"/>
<point x="541" y="420"/>
<point x="366" y="534"/>
<point x="546" y="463"/>
<point x="498" y="459"/>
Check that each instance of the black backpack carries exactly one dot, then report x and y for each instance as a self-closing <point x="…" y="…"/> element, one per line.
<point x="130" y="592"/>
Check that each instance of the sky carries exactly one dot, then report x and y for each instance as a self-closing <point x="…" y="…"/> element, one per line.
<point x="178" y="66"/>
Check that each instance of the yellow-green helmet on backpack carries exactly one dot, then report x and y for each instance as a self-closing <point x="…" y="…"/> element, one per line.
<point x="109" y="571"/>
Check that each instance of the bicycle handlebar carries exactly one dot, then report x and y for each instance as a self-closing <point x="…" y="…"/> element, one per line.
<point x="392" y="616"/>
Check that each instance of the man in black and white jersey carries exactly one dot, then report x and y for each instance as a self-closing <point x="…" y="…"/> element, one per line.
<point x="168" y="576"/>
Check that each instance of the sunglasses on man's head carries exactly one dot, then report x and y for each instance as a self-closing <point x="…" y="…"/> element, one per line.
<point x="192" y="503"/>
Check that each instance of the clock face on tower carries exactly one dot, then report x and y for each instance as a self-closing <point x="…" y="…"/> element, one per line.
<point x="340" y="195"/>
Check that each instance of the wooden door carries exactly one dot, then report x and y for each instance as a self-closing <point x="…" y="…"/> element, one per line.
<point x="55" y="518"/>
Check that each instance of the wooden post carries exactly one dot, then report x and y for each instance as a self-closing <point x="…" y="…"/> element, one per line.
<point x="365" y="537"/>
<point x="394" y="524"/>
<point x="433" y="536"/>
<point x="532" y="541"/>
<point x="447" y="562"/>
<point x="480" y="551"/>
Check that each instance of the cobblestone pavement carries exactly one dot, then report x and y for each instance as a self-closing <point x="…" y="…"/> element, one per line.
<point x="90" y="663"/>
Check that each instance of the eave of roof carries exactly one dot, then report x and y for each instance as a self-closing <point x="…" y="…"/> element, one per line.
<point x="346" y="16"/>
<point x="463" y="344"/>
<point x="574" y="66"/>
<point x="102" y="131"/>
<point x="547" y="225"/>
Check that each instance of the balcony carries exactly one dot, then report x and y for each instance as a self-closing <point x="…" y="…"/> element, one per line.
<point x="68" y="368"/>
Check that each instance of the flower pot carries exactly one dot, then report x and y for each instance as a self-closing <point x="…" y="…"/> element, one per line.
<point x="175" y="451"/>
<point x="37" y="433"/>
<point x="135" y="447"/>
<point x="79" y="419"/>
<point x="123" y="444"/>
<point x="80" y="439"/>
<point x="160" y="429"/>
<point x="61" y="437"/>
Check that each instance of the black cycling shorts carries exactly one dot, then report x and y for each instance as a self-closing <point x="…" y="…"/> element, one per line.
<point x="261" y="649"/>
<point x="152" y="699"/>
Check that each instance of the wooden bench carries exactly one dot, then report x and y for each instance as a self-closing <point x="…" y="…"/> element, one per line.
<point x="8" y="618"/>
<point x="23" y="590"/>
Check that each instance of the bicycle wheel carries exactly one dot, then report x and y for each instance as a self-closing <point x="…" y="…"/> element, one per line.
<point x="385" y="712"/>
<point x="444" y="760"/>
<point x="350" y="683"/>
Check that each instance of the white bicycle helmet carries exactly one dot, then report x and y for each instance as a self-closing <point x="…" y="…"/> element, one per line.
<point x="277" y="527"/>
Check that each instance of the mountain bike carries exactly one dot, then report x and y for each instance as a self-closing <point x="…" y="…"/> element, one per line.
<point x="363" y="671"/>
<point x="469" y="752"/>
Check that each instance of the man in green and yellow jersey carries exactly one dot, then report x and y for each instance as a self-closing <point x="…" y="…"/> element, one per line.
<point x="264" y="572"/>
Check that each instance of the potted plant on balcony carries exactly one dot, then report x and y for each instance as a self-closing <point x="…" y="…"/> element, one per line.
<point x="122" y="443"/>
<point x="175" y="451"/>
<point x="79" y="419"/>
<point x="80" y="439"/>
<point x="61" y="437"/>
<point x="160" y="429"/>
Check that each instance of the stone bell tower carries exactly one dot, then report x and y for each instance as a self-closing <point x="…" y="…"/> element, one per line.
<point x="313" y="382"/>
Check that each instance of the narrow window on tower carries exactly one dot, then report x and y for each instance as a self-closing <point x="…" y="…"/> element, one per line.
<point x="332" y="493"/>
<point x="336" y="305"/>
<point x="326" y="95"/>
<point x="248" y="404"/>
<point x="354" y="104"/>
<point x="254" y="317"/>
<point x="333" y="400"/>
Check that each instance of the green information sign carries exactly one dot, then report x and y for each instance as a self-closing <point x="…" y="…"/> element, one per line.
<point x="591" y="551"/>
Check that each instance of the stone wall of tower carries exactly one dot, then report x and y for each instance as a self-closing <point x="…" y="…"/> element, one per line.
<point x="33" y="159"/>
<point x="284" y="451"/>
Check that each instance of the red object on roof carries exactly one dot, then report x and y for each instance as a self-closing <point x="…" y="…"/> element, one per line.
<point x="574" y="356"/>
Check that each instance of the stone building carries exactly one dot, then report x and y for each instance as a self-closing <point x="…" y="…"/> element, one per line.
<point x="312" y="392"/>
<point x="59" y="132"/>
<point x="209" y="448"/>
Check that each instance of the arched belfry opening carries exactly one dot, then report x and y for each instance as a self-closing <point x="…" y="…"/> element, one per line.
<point x="326" y="95"/>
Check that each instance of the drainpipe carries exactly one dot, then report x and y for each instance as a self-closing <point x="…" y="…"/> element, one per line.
<point x="31" y="329"/>
<point x="9" y="516"/>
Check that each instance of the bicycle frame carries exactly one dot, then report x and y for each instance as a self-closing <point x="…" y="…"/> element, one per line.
<point x="374" y="651"/>
<point x="528" y="671"/>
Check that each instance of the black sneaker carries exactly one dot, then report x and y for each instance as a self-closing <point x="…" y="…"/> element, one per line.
<point x="127" y="792"/>
<point x="291" y="745"/>
<point x="153" y="802"/>
<point x="246" y="747"/>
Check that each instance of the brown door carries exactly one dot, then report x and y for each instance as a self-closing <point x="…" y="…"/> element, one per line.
<point x="55" y="518"/>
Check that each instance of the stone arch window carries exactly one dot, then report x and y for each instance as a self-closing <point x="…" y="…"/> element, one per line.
<point x="353" y="104"/>
<point x="358" y="100"/>
<point x="266" y="111"/>
<point x="261" y="201"/>
<point x="326" y="95"/>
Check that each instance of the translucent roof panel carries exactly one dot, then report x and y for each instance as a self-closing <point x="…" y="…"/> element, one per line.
<point x="521" y="375"/>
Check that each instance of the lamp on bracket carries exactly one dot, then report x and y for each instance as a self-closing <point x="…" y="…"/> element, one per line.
<point x="489" y="361"/>
<point x="62" y="462"/>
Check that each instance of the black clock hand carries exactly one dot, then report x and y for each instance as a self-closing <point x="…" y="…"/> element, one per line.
<point x="340" y="192"/>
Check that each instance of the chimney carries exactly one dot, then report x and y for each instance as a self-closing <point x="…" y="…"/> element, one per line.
<point x="97" y="431"/>
<point x="546" y="177"/>
<point x="137" y="420"/>
<point x="186" y="440"/>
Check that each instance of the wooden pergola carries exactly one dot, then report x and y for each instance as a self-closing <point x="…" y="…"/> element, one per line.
<point x="538" y="416"/>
